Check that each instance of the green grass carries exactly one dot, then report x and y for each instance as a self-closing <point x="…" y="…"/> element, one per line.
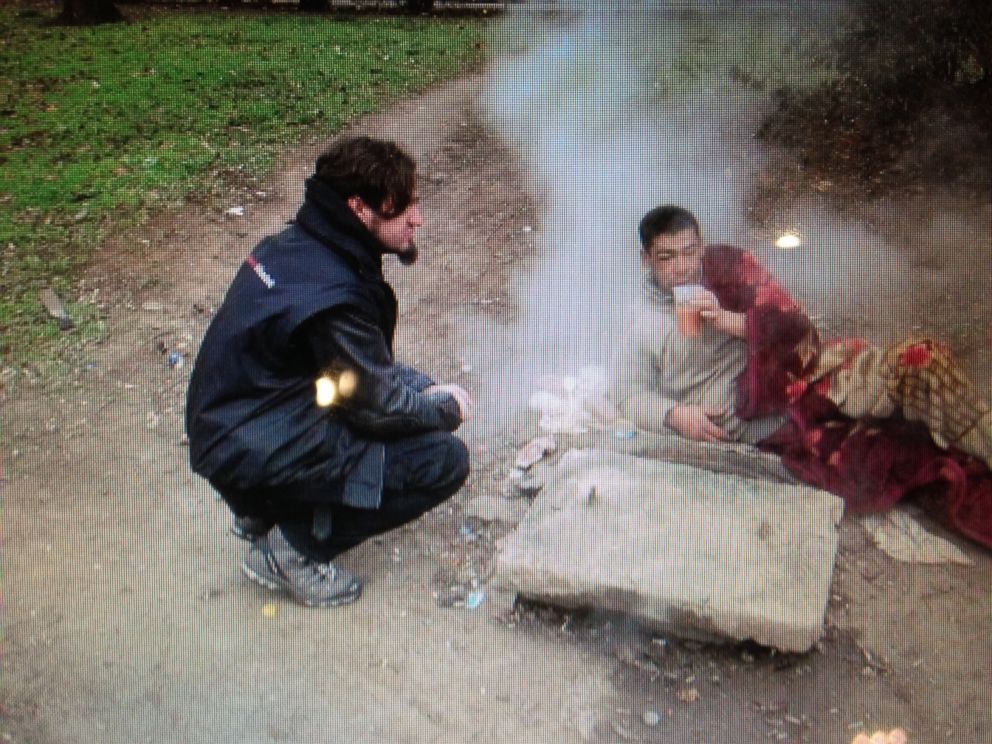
<point x="101" y="126"/>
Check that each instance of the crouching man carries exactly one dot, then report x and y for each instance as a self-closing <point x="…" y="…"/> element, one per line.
<point x="297" y="413"/>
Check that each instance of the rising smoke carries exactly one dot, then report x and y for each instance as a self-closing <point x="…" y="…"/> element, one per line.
<point x="613" y="109"/>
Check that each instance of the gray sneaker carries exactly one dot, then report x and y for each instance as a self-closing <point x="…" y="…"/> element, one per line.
<point x="250" y="529"/>
<point x="275" y="564"/>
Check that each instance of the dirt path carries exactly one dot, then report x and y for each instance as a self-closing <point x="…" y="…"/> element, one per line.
<point x="126" y="619"/>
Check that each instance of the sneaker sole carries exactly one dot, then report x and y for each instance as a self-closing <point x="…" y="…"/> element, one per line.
<point x="350" y="595"/>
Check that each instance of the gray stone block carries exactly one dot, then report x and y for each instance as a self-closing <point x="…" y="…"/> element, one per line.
<point x="687" y="551"/>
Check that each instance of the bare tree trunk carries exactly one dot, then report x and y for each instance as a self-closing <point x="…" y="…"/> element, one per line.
<point x="88" y="12"/>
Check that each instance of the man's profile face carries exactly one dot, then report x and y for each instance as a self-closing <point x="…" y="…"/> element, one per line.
<point x="395" y="231"/>
<point x="674" y="258"/>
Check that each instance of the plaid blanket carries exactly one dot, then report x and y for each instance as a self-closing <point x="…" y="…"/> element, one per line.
<point x="871" y="425"/>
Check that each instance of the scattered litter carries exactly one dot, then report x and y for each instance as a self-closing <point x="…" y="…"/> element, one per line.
<point x="573" y="402"/>
<point x="55" y="308"/>
<point x="468" y="533"/>
<point x="176" y="360"/>
<point x="235" y="212"/>
<point x="456" y="596"/>
<point x="533" y="452"/>
<point x="527" y="228"/>
<point x="466" y="368"/>
<point x="270" y="610"/>
<point x="626" y="434"/>
<point x="688" y="694"/>
<point x="152" y="307"/>
<point x="475" y="599"/>
<point x="651" y="718"/>
<point x="900" y="536"/>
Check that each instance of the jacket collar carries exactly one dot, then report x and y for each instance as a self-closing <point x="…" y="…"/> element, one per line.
<point x="327" y="217"/>
<point x="654" y="293"/>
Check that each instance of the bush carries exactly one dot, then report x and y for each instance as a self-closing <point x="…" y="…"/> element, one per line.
<point x="913" y="102"/>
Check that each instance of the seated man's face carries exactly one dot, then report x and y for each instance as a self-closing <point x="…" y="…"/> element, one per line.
<point x="674" y="258"/>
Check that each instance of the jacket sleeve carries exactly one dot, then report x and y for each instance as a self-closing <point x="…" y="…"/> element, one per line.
<point x="636" y="390"/>
<point x="386" y="400"/>
<point x="413" y="377"/>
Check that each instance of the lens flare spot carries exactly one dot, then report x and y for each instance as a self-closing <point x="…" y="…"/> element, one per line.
<point x="788" y="240"/>
<point x="347" y="383"/>
<point x="326" y="391"/>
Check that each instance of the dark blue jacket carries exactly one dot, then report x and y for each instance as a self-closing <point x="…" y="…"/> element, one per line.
<point x="308" y="300"/>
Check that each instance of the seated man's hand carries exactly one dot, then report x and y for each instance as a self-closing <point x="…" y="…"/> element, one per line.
<point x="709" y="310"/>
<point x="461" y="396"/>
<point x="692" y="422"/>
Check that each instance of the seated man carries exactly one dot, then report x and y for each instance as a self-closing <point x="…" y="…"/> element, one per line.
<point x="297" y="412"/>
<point x="867" y="424"/>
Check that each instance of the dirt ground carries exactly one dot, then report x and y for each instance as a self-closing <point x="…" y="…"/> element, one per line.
<point x="126" y="618"/>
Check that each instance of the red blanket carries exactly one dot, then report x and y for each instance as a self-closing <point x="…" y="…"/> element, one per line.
<point x="871" y="461"/>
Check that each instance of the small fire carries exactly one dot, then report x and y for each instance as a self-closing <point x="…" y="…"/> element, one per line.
<point x="788" y="240"/>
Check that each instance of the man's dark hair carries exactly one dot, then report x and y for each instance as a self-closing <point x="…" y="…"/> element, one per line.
<point x="665" y="220"/>
<point x="380" y="172"/>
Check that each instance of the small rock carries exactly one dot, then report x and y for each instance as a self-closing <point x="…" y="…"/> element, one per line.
<point x="522" y="485"/>
<point x="651" y="718"/>
<point x="534" y="451"/>
<point x="235" y="212"/>
<point x="53" y="305"/>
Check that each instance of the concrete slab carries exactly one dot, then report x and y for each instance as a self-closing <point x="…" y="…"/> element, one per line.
<point x="494" y="508"/>
<point x="691" y="552"/>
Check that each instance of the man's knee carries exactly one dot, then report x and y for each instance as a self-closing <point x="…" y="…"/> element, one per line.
<point x="459" y="461"/>
<point x="436" y="463"/>
<point x="449" y="465"/>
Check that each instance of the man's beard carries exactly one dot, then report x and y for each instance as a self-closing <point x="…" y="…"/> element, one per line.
<point x="408" y="256"/>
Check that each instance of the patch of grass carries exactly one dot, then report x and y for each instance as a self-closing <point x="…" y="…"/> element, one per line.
<point x="99" y="126"/>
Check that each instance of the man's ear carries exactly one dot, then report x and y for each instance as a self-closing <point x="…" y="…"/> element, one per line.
<point x="357" y="205"/>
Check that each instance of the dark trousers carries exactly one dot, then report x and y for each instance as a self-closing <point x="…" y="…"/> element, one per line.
<point x="421" y="472"/>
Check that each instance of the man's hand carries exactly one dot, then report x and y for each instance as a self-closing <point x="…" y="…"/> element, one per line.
<point x="709" y="308"/>
<point x="461" y="396"/>
<point x="692" y="422"/>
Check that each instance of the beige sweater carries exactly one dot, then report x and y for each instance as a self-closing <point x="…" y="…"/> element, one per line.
<point x="656" y="368"/>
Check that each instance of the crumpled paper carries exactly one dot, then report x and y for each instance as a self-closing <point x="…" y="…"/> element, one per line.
<point x="574" y="402"/>
<point x="900" y="536"/>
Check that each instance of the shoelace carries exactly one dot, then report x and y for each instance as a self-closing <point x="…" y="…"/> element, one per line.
<point x="325" y="570"/>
